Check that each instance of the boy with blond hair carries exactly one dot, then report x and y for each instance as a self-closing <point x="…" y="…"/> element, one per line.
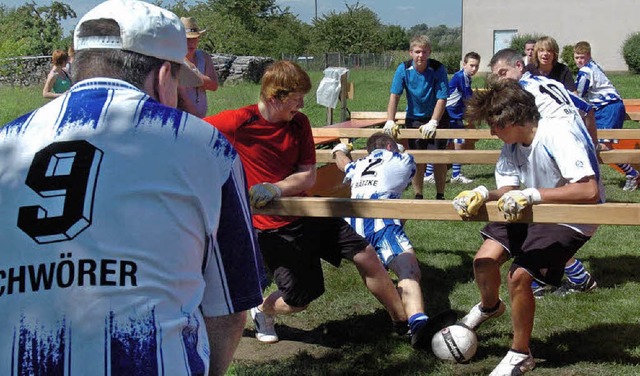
<point x="426" y="85"/>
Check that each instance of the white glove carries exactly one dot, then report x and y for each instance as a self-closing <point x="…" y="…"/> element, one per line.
<point x="468" y="203"/>
<point x="429" y="130"/>
<point x="345" y="148"/>
<point x="512" y="203"/>
<point x="262" y="194"/>
<point x="391" y="128"/>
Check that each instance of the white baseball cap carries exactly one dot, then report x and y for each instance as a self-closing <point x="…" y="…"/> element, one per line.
<point x="144" y="28"/>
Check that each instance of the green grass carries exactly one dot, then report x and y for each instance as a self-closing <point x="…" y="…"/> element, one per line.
<point x="589" y="334"/>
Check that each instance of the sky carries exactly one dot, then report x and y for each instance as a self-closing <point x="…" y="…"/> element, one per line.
<point x="405" y="13"/>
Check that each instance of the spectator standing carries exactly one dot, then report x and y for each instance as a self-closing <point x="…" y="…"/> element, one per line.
<point x="126" y="234"/>
<point x="58" y="80"/>
<point x="194" y="99"/>
<point x="545" y="63"/>
<point x="459" y="92"/>
<point x="529" y="45"/>
<point x="276" y="146"/>
<point x="594" y="86"/>
<point x="426" y="85"/>
<point x="384" y="174"/>
<point x="555" y="163"/>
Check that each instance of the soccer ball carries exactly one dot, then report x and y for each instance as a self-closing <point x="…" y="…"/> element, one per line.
<point x="456" y="343"/>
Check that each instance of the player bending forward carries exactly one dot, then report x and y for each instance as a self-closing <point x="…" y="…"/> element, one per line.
<point x="555" y="163"/>
<point x="384" y="174"/>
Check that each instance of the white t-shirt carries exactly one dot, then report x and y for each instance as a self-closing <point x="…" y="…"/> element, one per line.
<point x="123" y="223"/>
<point x="381" y="175"/>
<point x="558" y="155"/>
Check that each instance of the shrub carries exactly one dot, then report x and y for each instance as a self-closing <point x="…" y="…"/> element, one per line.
<point x="451" y="61"/>
<point x="631" y="52"/>
<point x="566" y="55"/>
<point x="518" y="40"/>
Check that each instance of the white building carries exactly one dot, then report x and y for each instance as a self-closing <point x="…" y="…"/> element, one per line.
<point x="489" y="25"/>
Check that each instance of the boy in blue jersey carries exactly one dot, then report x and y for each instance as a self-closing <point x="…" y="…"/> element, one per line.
<point x="459" y="92"/>
<point x="425" y="82"/>
<point x="384" y="174"/>
<point x="594" y="87"/>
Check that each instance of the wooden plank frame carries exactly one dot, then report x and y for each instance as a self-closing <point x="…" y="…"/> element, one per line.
<point x="604" y="214"/>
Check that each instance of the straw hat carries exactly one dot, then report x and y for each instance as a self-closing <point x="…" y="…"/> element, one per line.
<point x="191" y="27"/>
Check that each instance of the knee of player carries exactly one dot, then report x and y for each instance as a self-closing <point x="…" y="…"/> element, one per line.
<point x="518" y="278"/>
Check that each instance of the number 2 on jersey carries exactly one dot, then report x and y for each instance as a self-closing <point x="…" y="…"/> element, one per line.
<point x="67" y="171"/>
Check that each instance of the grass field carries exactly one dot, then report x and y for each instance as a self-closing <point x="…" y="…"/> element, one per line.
<point x="346" y="331"/>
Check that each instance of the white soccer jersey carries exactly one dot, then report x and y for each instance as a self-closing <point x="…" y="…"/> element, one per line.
<point x="123" y="223"/>
<point x="557" y="156"/>
<point x="594" y="86"/>
<point x="381" y="175"/>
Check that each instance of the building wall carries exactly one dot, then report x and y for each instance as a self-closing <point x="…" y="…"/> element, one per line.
<point x="604" y="24"/>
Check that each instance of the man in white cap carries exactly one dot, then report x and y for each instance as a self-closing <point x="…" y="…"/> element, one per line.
<point x="127" y="240"/>
<point x="194" y="99"/>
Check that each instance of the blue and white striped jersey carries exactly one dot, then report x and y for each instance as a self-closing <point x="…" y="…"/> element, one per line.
<point x="594" y="86"/>
<point x="124" y="223"/>
<point x="459" y="91"/>
<point x="381" y="175"/>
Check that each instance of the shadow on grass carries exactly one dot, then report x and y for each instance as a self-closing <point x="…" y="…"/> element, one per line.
<point x="614" y="270"/>
<point x="588" y="345"/>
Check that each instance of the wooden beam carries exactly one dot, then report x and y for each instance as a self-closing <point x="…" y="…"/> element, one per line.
<point x="480" y="156"/>
<point x="604" y="214"/>
<point x="469" y="134"/>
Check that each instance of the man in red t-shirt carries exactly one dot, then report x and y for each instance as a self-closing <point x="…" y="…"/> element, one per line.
<point x="276" y="146"/>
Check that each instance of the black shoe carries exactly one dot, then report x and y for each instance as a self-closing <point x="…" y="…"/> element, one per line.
<point x="419" y="196"/>
<point x="421" y="339"/>
<point x="401" y="328"/>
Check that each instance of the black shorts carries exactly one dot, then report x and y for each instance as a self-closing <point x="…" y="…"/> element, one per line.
<point x="292" y="254"/>
<point x="421" y="143"/>
<point x="541" y="249"/>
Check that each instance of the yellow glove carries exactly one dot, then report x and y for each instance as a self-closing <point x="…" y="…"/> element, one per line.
<point x="262" y="194"/>
<point x="429" y="130"/>
<point x="512" y="203"/>
<point x="391" y="128"/>
<point x="468" y="203"/>
<point x="345" y="148"/>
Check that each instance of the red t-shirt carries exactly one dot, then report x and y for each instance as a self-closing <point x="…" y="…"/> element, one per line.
<point x="269" y="151"/>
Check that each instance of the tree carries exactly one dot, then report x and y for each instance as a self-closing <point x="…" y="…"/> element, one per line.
<point x="357" y="30"/>
<point x="33" y="30"/>
<point x="394" y="37"/>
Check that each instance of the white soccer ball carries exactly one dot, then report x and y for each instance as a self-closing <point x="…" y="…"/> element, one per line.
<point x="455" y="343"/>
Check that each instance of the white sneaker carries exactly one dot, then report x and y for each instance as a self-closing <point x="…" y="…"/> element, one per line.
<point x="631" y="184"/>
<point x="461" y="179"/>
<point x="514" y="363"/>
<point x="265" y="326"/>
<point x="429" y="179"/>
<point x="475" y="317"/>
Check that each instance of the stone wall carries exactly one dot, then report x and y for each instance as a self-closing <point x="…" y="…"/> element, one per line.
<point x="24" y="71"/>
<point x="27" y="71"/>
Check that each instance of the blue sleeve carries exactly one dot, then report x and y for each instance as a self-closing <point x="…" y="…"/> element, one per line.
<point x="581" y="104"/>
<point x="234" y="272"/>
<point x="397" y="85"/>
<point x="582" y="83"/>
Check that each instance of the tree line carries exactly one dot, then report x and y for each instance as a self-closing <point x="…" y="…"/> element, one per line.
<point x="238" y="27"/>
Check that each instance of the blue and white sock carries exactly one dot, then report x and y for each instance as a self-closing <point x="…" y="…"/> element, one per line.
<point x="416" y="321"/>
<point x="429" y="170"/>
<point x="455" y="170"/>
<point x="576" y="273"/>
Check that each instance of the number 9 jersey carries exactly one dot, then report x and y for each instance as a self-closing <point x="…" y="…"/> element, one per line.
<point x="123" y="224"/>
